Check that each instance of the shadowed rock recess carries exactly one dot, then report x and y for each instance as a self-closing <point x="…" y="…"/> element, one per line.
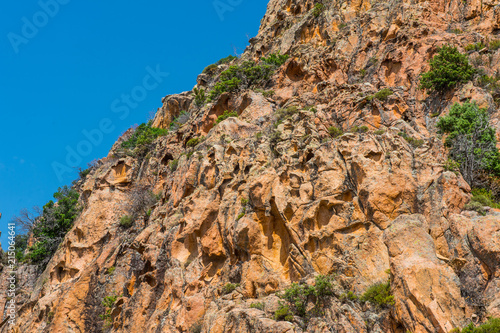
<point x="272" y="195"/>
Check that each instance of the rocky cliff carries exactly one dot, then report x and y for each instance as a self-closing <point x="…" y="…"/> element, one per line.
<point x="249" y="204"/>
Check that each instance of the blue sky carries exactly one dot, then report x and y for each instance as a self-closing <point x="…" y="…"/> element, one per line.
<point x="69" y="66"/>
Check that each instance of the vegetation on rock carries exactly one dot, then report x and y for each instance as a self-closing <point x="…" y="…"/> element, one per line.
<point x="491" y="326"/>
<point x="229" y="288"/>
<point x="140" y="141"/>
<point x="225" y="115"/>
<point x="379" y="294"/>
<point x="50" y="228"/>
<point x="475" y="47"/>
<point x="318" y="9"/>
<point x="246" y="75"/>
<point x="180" y="120"/>
<point x="298" y="296"/>
<point x="335" y="131"/>
<point x="108" y="303"/>
<point x="199" y="96"/>
<point x="449" y="67"/>
<point x="211" y="68"/>
<point x="471" y="140"/>
<point x="381" y="95"/>
<point x="126" y="221"/>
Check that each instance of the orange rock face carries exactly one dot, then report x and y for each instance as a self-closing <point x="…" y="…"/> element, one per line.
<point x="263" y="202"/>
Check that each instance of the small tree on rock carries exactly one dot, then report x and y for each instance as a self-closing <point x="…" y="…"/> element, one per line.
<point x="471" y="140"/>
<point x="449" y="67"/>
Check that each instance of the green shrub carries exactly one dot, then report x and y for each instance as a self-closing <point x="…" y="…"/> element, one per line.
<point x="226" y="60"/>
<point x="411" y="140"/>
<point x="199" y="96"/>
<point x="265" y="93"/>
<point x="111" y="270"/>
<point x="456" y="31"/>
<point x="298" y="296"/>
<point x="20" y="244"/>
<point x="485" y="80"/>
<point x="451" y="165"/>
<point x="126" y="221"/>
<point x="225" y="115"/>
<point x="318" y="9"/>
<point x="258" y="135"/>
<point x="323" y="286"/>
<point x="416" y="143"/>
<point x="283" y="313"/>
<point x="335" y="131"/>
<point x="383" y="94"/>
<point x="359" y="129"/>
<point x="174" y="164"/>
<point x="311" y="108"/>
<point x="51" y="227"/>
<point x="224" y="86"/>
<point x="50" y="316"/>
<point x="483" y="197"/>
<point x="490" y="83"/>
<point x="379" y="132"/>
<point x="240" y="215"/>
<point x="144" y="135"/>
<point x="495" y="45"/>
<point x="229" y="288"/>
<point x="210" y="69"/>
<point x="84" y="173"/>
<point x="287" y="112"/>
<point x="108" y="303"/>
<point x="475" y="206"/>
<point x="178" y="121"/>
<point x="379" y="294"/>
<point x="491" y="326"/>
<point x="193" y="142"/>
<point x="242" y="76"/>
<point x="475" y="47"/>
<point x="258" y="305"/>
<point x="283" y="114"/>
<point x="275" y="59"/>
<point x="448" y="68"/>
<point x="350" y="296"/>
<point x="471" y="139"/>
<point x="39" y="252"/>
<point x="247" y="74"/>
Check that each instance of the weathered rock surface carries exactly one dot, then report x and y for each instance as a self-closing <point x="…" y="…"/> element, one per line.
<point x="262" y="207"/>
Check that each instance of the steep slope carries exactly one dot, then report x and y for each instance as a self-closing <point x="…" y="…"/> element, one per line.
<point x="249" y="204"/>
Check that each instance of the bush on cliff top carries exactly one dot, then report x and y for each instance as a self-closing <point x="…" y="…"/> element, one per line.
<point x="247" y="74"/>
<point x="449" y="67"/>
<point x="143" y="136"/>
<point x="211" y="68"/>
